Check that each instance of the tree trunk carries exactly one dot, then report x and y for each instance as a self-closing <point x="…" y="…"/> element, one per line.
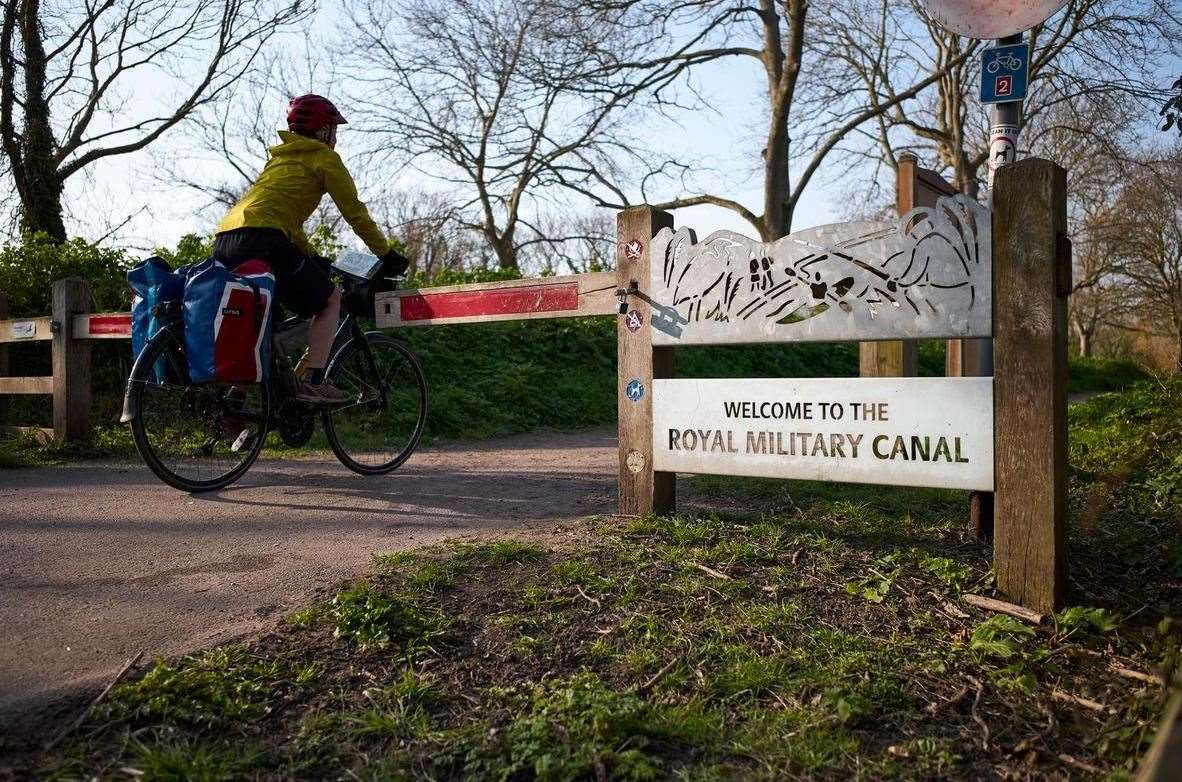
<point x="42" y="208"/>
<point x="506" y="253"/>
<point x="1085" y="342"/>
<point x="38" y="181"/>
<point x="777" y="221"/>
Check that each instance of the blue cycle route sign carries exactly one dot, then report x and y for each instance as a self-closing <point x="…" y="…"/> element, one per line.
<point x="1005" y="73"/>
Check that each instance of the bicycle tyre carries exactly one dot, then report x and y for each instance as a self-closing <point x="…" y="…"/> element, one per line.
<point x="337" y="369"/>
<point x="167" y="346"/>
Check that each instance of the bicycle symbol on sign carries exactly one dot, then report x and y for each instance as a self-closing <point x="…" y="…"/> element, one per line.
<point x="1004" y="60"/>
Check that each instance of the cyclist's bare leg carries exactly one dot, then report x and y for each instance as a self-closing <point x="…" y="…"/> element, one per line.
<point x="321" y="331"/>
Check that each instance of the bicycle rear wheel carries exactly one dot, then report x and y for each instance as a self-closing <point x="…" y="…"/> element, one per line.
<point x="194" y="437"/>
<point x="379" y="430"/>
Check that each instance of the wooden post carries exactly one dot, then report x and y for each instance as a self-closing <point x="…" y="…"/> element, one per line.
<point x="71" y="362"/>
<point x="641" y="489"/>
<point x="889" y="358"/>
<point x="896" y="358"/>
<point x="1030" y="287"/>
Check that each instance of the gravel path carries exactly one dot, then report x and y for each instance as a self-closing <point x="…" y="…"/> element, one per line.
<point x="100" y="560"/>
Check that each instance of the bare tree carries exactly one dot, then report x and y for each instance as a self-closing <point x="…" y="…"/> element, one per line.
<point x="1142" y="236"/>
<point x="431" y="235"/>
<point x="1075" y="89"/>
<point x="67" y="70"/>
<point x="221" y="148"/>
<point x="573" y="243"/>
<point x="508" y="102"/>
<point x="811" y="90"/>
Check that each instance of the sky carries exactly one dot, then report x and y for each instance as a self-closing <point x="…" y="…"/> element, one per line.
<point x="121" y="196"/>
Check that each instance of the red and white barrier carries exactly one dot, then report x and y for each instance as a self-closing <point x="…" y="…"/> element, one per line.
<point x="548" y="297"/>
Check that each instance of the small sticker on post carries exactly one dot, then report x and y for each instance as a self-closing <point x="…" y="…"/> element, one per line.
<point x="635" y="390"/>
<point x="24" y="329"/>
<point x="634" y="320"/>
<point x="635" y="461"/>
<point x="633" y="250"/>
<point x="1003" y="148"/>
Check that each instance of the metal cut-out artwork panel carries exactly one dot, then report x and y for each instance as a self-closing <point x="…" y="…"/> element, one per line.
<point x="928" y="275"/>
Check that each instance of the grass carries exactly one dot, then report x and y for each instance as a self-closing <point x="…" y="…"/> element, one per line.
<point x="775" y="630"/>
<point x="496" y="379"/>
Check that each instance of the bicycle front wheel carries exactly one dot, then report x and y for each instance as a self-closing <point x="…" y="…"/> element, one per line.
<point x="380" y="427"/>
<point x="193" y="437"/>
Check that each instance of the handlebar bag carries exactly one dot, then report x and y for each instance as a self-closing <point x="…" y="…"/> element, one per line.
<point x="228" y="322"/>
<point x="153" y="284"/>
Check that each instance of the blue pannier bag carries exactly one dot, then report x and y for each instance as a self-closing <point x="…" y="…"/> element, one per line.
<point x="153" y="284"/>
<point x="228" y="322"/>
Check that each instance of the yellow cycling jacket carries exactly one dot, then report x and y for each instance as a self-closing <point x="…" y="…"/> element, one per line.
<point x="300" y="171"/>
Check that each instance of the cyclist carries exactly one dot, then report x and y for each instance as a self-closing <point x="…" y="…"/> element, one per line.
<point x="267" y="223"/>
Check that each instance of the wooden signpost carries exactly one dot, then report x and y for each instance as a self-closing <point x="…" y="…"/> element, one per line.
<point x="933" y="274"/>
<point x="643" y="488"/>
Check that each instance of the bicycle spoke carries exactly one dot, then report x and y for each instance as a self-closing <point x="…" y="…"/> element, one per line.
<point x="381" y="427"/>
<point x="187" y="433"/>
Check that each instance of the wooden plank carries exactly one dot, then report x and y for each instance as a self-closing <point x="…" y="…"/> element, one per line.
<point x="104" y="325"/>
<point x="43" y="434"/>
<point x="914" y="431"/>
<point x="929" y="185"/>
<point x="26" y="385"/>
<point x="575" y="295"/>
<point x="71" y="362"/>
<point x="898" y="358"/>
<point x="1030" y="384"/>
<point x="889" y="358"/>
<point x="642" y="490"/>
<point x="25" y="330"/>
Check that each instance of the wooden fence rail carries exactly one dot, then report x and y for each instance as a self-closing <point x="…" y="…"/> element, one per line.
<point x="68" y="329"/>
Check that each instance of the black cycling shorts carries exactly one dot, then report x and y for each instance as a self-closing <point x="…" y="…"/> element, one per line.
<point x="303" y="283"/>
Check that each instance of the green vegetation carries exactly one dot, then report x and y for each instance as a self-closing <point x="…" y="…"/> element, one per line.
<point x="773" y="630"/>
<point x="1103" y="374"/>
<point x="486" y="380"/>
<point x="505" y="378"/>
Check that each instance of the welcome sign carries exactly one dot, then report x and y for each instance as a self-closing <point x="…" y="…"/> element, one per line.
<point x="934" y="432"/>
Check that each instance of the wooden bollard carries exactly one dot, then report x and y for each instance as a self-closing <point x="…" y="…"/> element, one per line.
<point x="1030" y="287"/>
<point x="71" y="362"/>
<point x="642" y="490"/>
<point x="898" y="357"/>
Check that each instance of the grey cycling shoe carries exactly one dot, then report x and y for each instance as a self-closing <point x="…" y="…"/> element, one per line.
<point x="321" y="394"/>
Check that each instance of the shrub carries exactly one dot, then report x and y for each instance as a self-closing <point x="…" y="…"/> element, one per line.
<point x="29" y="268"/>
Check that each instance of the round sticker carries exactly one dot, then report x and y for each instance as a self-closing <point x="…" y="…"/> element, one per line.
<point x="634" y="320"/>
<point x="635" y="461"/>
<point x="633" y="250"/>
<point x="635" y="390"/>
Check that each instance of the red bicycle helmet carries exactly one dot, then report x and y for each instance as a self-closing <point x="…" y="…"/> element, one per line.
<point x="310" y="113"/>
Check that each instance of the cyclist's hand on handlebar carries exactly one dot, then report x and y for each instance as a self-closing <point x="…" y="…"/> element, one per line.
<point x="395" y="263"/>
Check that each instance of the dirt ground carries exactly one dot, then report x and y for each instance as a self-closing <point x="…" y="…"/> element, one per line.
<point x="99" y="561"/>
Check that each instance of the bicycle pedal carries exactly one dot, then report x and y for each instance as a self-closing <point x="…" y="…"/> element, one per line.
<point x="243" y="438"/>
